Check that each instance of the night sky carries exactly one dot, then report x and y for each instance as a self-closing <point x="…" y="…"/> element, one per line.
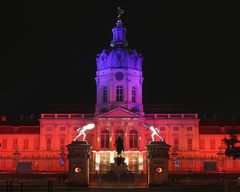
<point x="190" y="53"/>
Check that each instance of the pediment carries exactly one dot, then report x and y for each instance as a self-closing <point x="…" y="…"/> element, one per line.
<point x="119" y="113"/>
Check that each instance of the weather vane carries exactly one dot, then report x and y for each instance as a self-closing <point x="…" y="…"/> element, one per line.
<point x="120" y="11"/>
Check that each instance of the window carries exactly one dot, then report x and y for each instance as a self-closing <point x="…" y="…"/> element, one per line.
<point x="133" y="139"/>
<point x="15" y="143"/>
<point x="175" y="128"/>
<point x="202" y="144"/>
<point x="36" y="144"/>
<point x="62" y="128"/>
<point x="62" y="144"/>
<point x="104" y="94"/>
<point x="49" y="128"/>
<point x="119" y="133"/>
<point x="49" y="144"/>
<point x="4" y="144"/>
<point x="212" y="144"/>
<point x="25" y="144"/>
<point x="105" y="139"/>
<point x="162" y="128"/>
<point x="189" y="128"/>
<point x="119" y="93"/>
<point x="189" y="143"/>
<point x="223" y="144"/>
<point x="133" y="94"/>
<point x="176" y="144"/>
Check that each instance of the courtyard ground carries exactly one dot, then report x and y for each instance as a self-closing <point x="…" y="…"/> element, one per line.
<point x="177" y="182"/>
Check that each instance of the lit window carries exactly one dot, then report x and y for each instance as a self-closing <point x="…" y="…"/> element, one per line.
<point x="190" y="146"/>
<point x="162" y="128"/>
<point x="36" y="144"/>
<point x="4" y="144"/>
<point x="25" y="144"/>
<point x="105" y="139"/>
<point x="133" y="94"/>
<point x="62" y="128"/>
<point x="212" y="144"/>
<point x="223" y="144"/>
<point x="202" y="144"/>
<point x="175" y="128"/>
<point x="104" y="94"/>
<point x="15" y="143"/>
<point x="176" y="144"/>
<point x="49" y="144"/>
<point x="189" y="128"/>
<point x="133" y="139"/>
<point x="119" y="93"/>
<point x="62" y="144"/>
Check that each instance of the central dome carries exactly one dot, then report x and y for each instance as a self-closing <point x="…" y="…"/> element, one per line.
<point x="119" y="57"/>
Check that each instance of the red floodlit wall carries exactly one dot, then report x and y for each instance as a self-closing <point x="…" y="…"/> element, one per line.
<point x="192" y="147"/>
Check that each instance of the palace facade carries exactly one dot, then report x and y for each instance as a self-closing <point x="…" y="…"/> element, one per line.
<point x="196" y="145"/>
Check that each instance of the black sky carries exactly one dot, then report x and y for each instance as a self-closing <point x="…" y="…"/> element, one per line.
<point x="189" y="51"/>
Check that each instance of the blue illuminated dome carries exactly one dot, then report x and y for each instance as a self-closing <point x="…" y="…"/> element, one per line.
<point x="118" y="55"/>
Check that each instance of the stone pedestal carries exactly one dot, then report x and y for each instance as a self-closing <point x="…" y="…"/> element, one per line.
<point x="158" y="155"/>
<point x="78" y="155"/>
<point x="119" y="167"/>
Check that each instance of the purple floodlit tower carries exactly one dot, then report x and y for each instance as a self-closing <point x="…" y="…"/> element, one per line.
<point x="119" y="75"/>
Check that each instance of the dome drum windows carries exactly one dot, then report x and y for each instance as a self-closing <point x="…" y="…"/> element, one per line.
<point x="134" y="94"/>
<point x="119" y="93"/>
<point x="104" y="95"/>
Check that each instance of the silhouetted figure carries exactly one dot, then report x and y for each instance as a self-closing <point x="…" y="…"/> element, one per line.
<point x="119" y="145"/>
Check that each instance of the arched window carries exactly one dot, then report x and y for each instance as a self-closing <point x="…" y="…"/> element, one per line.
<point x="104" y="94"/>
<point x="134" y="94"/>
<point x="133" y="139"/>
<point x="105" y="139"/>
<point x="119" y="133"/>
<point x="119" y="93"/>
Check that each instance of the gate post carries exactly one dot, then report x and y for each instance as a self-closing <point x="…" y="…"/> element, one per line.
<point x="158" y="155"/>
<point x="78" y="155"/>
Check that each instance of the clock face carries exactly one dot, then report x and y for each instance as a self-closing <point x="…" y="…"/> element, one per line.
<point x="119" y="76"/>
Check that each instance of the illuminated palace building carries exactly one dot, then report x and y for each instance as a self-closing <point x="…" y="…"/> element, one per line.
<point x="196" y="144"/>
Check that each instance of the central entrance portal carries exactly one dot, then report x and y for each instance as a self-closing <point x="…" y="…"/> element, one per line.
<point x="104" y="171"/>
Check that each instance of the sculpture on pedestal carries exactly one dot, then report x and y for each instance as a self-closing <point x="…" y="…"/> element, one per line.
<point x="119" y="145"/>
<point x="81" y="131"/>
<point x="155" y="131"/>
<point x="119" y="167"/>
